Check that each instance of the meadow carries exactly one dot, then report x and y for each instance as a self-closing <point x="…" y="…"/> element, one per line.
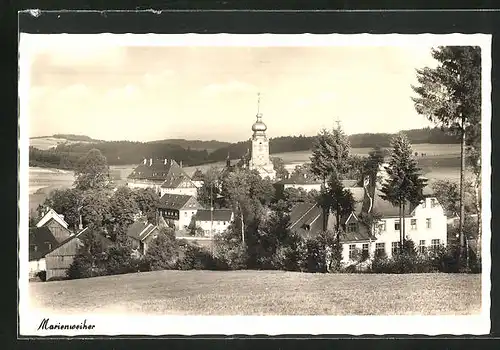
<point x="262" y="293"/>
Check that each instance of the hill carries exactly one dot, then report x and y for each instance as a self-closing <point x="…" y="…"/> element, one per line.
<point x="196" y="152"/>
<point x="197" y="145"/>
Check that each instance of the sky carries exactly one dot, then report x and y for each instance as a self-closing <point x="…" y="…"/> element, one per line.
<point x="145" y="93"/>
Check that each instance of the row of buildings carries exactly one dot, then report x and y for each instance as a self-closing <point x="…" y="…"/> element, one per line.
<point x="53" y="245"/>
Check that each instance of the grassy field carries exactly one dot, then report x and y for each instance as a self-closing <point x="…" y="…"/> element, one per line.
<point x="262" y="293"/>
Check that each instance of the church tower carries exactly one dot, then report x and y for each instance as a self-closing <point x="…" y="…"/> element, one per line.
<point x="260" y="160"/>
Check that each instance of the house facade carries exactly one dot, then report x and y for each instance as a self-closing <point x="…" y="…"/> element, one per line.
<point x="425" y="225"/>
<point x="214" y="222"/>
<point x="60" y="259"/>
<point x="154" y="173"/>
<point x="141" y="235"/>
<point x="179" y="209"/>
<point x="41" y="242"/>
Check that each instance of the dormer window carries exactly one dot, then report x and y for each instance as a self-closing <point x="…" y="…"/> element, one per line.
<point x="49" y="245"/>
<point x="352" y="227"/>
<point x="423" y="203"/>
<point x="433" y="202"/>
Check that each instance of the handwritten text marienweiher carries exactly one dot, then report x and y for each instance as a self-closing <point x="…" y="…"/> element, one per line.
<point x="45" y="325"/>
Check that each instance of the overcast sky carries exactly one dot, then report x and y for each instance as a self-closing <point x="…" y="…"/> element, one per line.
<point x="137" y="93"/>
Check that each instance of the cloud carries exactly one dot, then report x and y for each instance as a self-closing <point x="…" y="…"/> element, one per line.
<point x="123" y="93"/>
<point x="229" y="87"/>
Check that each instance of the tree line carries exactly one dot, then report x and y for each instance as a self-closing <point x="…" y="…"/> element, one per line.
<point x="126" y="152"/>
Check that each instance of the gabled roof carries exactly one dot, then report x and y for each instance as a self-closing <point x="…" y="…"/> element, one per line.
<point x="386" y="209"/>
<point x="140" y="230"/>
<point x="306" y="219"/>
<point x="106" y="242"/>
<point x="218" y="215"/>
<point x="174" y="201"/>
<point x="197" y="176"/>
<point x="40" y="236"/>
<point x="52" y="214"/>
<point x="159" y="170"/>
<point x="362" y="234"/>
<point x="173" y="180"/>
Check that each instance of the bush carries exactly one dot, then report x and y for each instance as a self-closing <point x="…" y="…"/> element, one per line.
<point x="84" y="265"/>
<point x="197" y="258"/>
<point x="42" y="275"/>
<point x="163" y="252"/>
<point x="120" y="261"/>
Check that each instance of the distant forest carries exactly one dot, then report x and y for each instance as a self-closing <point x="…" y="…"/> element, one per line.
<point x="64" y="156"/>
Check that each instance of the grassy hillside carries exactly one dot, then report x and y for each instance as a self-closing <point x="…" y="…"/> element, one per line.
<point x="263" y="293"/>
<point x="196" y="145"/>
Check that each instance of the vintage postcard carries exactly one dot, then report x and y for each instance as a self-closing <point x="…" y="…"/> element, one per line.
<point x="254" y="184"/>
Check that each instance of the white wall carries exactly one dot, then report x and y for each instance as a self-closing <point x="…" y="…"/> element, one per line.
<point x="143" y="184"/>
<point x="218" y="226"/>
<point x="185" y="218"/>
<point x="306" y="187"/>
<point x="190" y="191"/>
<point x="37" y="265"/>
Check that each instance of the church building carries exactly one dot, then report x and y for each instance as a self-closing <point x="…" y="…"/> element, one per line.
<point x="260" y="159"/>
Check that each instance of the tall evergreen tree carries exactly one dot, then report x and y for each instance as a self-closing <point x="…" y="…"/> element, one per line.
<point x="404" y="186"/>
<point x="450" y="96"/>
<point x="330" y="154"/>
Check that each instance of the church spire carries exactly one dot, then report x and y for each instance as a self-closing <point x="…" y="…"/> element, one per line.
<point x="258" y="103"/>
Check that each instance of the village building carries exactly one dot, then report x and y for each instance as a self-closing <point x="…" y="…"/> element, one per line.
<point x="41" y="242"/>
<point x="60" y="258"/>
<point x="179" y="209"/>
<point x="215" y="221"/>
<point x="141" y="235"/>
<point x="163" y="175"/>
<point x="425" y="224"/>
<point x="260" y="160"/>
<point x="56" y="224"/>
<point x="308" y="183"/>
<point x="307" y="220"/>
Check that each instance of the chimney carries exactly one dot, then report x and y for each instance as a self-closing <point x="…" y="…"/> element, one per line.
<point x="150" y="161"/>
<point x="165" y="161"/>
<point x="144" y="161"/>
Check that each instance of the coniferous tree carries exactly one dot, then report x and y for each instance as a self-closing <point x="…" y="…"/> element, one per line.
<point x="404" y="186"/>
<point x="330" y="154"/>
<point x="450" y="96"/>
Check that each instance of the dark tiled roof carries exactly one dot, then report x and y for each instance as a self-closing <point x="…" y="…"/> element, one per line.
<point x="40" y="236"/>
<point x="158" y="171"/>
<point x="362" y="234"/>
<point x="140" y="230"/>
<point x="218" y="215"/>
<point x="173" y="201"/>
<point x="386" y="209"/>
<point x="306" y="219"/>
<point x="358" y="193"/>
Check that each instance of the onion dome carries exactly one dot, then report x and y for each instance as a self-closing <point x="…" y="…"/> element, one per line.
<point x="259" y="125"/>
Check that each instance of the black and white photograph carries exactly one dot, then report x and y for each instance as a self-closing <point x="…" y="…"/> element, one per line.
<point x="254" y="184"/>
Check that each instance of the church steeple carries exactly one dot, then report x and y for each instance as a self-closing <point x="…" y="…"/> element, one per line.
<point x="259" y="128"/>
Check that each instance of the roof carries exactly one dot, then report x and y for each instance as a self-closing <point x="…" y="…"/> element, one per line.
<point x="52" y="214"/>
<point x="39" y="236"/>
<point x="386" y="209"/>
<point x="300" y="180"/>
<point x="197" y="176"/>
<point x="218" y="215"/>
<point x="140" y="230"/>
<point x="306" y="219"/>
<point x="358" y="193"/>
<point x="350" y="183"/>
<point x="174" y="201"/>
<point x="103" y="240"/>
<point x="362" y="234"/>
<point x="160" y="170"/>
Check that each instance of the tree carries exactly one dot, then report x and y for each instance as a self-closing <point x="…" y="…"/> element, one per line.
<point x="372" y="164"/>
<point x="405" y="185"/>
<point x="279" y="167"/>
<point x="210" y="192"/>
<point x="163" y="251"/>
<point x="92" y="171"/>
<point x="450" y="96"/>
<point x="330" y="153"/>
<point x="90" y="259"/>
<point x="148" y="201"/>
<point x="95" y="208"/>
<point x="123" y="211"/>
<point x="66" y="202"/>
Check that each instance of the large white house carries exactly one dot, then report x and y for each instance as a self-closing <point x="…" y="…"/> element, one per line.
<point x="426" y="225"/>
<point x="214" y="222"/>
<point x="179" y="209"/>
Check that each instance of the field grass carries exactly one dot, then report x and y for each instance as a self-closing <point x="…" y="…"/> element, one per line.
<point x="262" y="293"/>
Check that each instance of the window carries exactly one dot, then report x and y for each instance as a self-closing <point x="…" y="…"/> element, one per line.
<point x="428" y="223"/>
<point x="421" y="246"/>
<point x="185" y="213"/>
<point x="424" y="203"/>
<point x="33" y="247"/>
<point x="225" y="222"/>
<point x="413" y="224"/>
<point x="435" y="244"/>
<point x="365" y="254"/>
<point x="397" y="225"/>
<point x="61" y="258"/>
<point x="433" y="202"/>
<point x="352" y="227"/>
<point x="49" y="245"/>
<point x="382" y="225"/>
<point x="352" y="249"/>
<point x="395" y="248"/>
<point x="379" y="249"/>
